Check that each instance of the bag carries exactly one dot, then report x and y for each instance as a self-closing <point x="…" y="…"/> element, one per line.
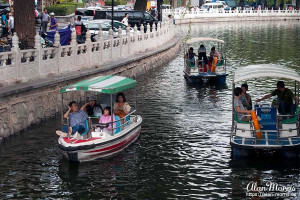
<point x="83" y="29"/>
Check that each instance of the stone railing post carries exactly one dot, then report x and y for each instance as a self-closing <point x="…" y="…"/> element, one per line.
<point x="100" y="40"/>
<point x="135" y="42"/>
<point x="128" y="40"/>
<point x="58" y="50"/>
<point x="74" y="48"/>
<point x="111" y="37"/>
<point x="142" y="32"/>
<point x="88" y="47"/>
<point x="16" y="62"/>
<point x="39" y="53"/>
<point x="120" y="35"/>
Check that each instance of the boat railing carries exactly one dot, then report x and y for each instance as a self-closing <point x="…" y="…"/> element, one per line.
<point x="66" y="122"/>
<point x="252" y="130"/>
<point x="123" y="120"/>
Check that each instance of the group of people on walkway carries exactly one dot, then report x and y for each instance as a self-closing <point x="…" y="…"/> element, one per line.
<point x="286" y="102"/>
<point x="46" y="18"/>
<point x="8" y="24"/>
<point x="77" y="117"/>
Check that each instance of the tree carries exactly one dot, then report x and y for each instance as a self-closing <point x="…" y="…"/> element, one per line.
<point x="140" y="5"/>
<point x="25" y="21"/>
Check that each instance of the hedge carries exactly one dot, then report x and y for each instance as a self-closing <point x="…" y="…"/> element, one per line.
<point x="116" y="2"/>
<point x="64" y="9"/>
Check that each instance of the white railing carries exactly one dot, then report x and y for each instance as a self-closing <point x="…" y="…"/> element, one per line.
<point x="26" y="65"/>
<point x="215" y="13"/>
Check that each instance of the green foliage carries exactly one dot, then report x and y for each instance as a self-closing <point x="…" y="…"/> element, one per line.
<point x="166" y="2"/>
<point x="116" y="2"/>
<point x="64" y="9"/>
<point x="278" y="2"/>
<point x="270" y="3"/>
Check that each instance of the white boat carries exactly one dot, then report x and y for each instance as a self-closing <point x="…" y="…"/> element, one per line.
<point x="214" y="72"/>
<point x="279" y="134"/>
<point x="91" y="144"/>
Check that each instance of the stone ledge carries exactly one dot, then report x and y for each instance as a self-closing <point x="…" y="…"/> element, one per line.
<point x="52" y="81"/>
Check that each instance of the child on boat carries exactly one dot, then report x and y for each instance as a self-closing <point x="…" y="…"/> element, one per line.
<point x="106" y="119"/>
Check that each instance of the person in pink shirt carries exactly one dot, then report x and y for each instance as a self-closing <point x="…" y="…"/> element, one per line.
<point x="106" y="118"/>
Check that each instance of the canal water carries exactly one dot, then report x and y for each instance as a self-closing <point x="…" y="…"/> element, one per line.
<point x="183" y="151"/>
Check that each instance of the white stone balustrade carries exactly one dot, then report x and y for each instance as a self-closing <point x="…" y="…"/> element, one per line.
<point x="26" y="65"/>
<point x="214" y="13"/>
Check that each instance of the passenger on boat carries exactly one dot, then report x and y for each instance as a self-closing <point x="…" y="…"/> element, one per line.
<point x="202" y="57"/>
<point x="121" y="107"/>
<point x="285" y="96"/>
<point x="92" y="107"/>
<point x="238" y="106"/>
<point x="106" y="119"/>
<point x="77" y="120"/>
<point x="213" y="53"/>
<point x="190" y="55"/>
<point x="246" y="98"/>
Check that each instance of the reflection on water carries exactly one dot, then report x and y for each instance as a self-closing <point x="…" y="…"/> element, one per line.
<point x="183" y="151"/>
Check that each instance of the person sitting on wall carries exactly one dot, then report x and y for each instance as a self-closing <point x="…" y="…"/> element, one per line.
<point x="77" y="120"/>
<point x="92" y="107"/>
<point x="285" y="96"/>
<point x="238" y="106"/>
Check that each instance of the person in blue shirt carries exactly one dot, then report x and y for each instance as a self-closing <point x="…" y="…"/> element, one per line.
<point x="77" y="120"/>
<point x="4" y="23"/>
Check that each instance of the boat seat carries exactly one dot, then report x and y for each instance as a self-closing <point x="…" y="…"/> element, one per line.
<point x="87" y="127"/>
<point x="292" y="120"/>
<point x="237" y="120"/>
<point x="118" y="125"/>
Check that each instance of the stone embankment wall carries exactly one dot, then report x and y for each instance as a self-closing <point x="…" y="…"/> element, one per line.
<point x="27" y="104"/>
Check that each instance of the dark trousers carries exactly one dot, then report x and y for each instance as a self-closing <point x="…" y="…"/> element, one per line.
<point x="78" y="128"/>
<point x="285" y="108"/>
<point x="44" y="26"/>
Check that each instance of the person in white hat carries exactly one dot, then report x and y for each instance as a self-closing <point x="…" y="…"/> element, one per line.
<point x="92" y="107"/>
<point x="53" y="22"/>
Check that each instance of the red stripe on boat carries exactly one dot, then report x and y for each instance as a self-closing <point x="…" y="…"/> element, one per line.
<point x="115" y="145"/>
<point x="67" y="140"/>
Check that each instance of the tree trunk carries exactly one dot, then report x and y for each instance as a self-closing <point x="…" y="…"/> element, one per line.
<point x="25" y="22"/>
<point x="140" y="5"/>
<point x="297" y="4"/>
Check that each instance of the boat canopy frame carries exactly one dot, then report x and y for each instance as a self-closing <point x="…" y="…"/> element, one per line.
<point x="221" y="47"/>
<point x="109" y="84"/>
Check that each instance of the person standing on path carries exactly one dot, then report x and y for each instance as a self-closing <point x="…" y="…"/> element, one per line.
<point x="53" y="23"/>
<point x="125" y="19"/>
<point x="4" y="23"/>
<point x="11" y="23"/>
<point x="45" y="21"/>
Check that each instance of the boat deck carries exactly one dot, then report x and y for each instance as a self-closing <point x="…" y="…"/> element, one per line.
<point x="269" y="138"/>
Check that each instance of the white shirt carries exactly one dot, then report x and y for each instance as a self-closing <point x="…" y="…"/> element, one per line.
<point x="125" y="21"/>
<point x="11" y="22"/>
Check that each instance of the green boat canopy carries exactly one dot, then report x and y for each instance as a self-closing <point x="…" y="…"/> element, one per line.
<point x="103" y="84"/>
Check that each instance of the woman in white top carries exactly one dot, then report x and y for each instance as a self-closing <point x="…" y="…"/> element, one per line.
<point x="125" y="19"/>
<point x="11" y="23"/>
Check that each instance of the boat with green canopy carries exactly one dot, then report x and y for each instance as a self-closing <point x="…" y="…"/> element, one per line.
<point x="97" y="141"/>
